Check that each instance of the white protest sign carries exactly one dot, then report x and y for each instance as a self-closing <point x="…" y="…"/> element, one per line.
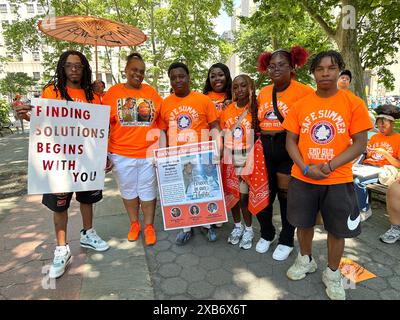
<point x="67" y="146"/>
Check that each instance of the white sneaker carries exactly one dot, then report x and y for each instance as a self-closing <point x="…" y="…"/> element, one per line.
<point x="91" y="240"/>
<point x="391" y="236"/>
<point x="247" y="240"/>
<point x="263" y="245"/>
<point x="301" y="267"/>
<point x="235" y="235"/>
<point x="333" y="283"/>
<point x="282" y="252"/>
<point x="62" y="257"/>
<point x="365" y="214"/>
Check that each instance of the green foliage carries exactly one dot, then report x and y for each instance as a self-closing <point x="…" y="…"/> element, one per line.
<point x="277" y="25"/>
<point x="379" y="32"/>
<point x="397" y="126"/>
<point x="179" y="30"/>
<point x="16" y="83"/>
<point x="4" y="111"/>
<point x="284" y="23"/>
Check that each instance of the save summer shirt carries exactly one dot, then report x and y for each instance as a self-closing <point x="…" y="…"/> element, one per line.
<point x="285" y="99"/>
<point x="186" y="118"/>
<point x="325" y="127"/>
<point x="390" y="143"/>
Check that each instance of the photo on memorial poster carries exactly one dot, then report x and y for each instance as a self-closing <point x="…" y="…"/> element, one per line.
<point x="188" y="180"/>
<point x="200" y="177"/>
<point x="135" y="111"/>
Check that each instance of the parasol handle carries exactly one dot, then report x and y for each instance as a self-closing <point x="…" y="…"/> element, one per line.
<point x="97" y="62"/>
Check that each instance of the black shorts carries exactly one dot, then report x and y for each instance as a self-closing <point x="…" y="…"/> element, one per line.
<point x="60" y="202"/>
<point x="337" y="203"/>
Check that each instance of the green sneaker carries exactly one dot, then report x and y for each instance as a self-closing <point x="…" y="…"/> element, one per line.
<point x="333" y="283"/>
<point x="301" y="267"/>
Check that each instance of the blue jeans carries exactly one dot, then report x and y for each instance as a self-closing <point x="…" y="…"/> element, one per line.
<point x="360" y="185"/>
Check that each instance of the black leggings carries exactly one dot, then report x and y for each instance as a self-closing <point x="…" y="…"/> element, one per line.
<point x="277" y="160"/>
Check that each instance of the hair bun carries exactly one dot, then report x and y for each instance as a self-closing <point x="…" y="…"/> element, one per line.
<point x="299" y="56"/>
<point x="263" y="61"/>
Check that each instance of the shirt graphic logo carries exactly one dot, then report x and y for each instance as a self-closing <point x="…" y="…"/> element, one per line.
<point x="270" y="115"/>
<point x="184" y="122"/>
<point x="238" y="133"/>
<point x="61" y="203"/>
<point x="322" y="132"/>
<point x="377" y="156"/>
<point x="353" y="224"/>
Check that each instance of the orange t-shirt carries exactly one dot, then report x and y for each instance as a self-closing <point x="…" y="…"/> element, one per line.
<point x="78" y="95"/>
<point x="134" y="112"/>
<point x="242" y="133"/>
<point x="218" y="99"/>
<point x="390" y="143"/>
<point x="285" y="99"/>
<point x="325" y="127"/>
<point x="185" y="118"/>
<point x="99" y="97"/>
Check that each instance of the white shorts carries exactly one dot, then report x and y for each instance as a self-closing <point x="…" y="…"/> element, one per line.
<point x="135" y="177"/>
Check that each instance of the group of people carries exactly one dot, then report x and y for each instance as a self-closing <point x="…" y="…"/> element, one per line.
<point x="309" y="137"/>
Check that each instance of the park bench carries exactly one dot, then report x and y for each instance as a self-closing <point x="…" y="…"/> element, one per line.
<point x="378" y="189"/>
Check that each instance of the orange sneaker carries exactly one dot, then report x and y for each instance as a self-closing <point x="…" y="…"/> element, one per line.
<point x="149" y="235"/>
<point x="133" y="234"/>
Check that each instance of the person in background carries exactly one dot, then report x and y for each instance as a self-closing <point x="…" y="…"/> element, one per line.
<point x="16" y="103"/>
<point x="98" y="89"/>
<point x="383" y="149"/>
<point x="344" y="80"/>
<point x="393" y="208"/>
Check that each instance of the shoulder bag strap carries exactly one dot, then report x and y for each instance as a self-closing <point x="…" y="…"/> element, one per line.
<point x="275" y="104"/>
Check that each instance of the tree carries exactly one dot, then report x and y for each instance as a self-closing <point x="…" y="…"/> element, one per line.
<point x="272" y="27"/>
<point x="16" y="83"/>
<point x="367" y="33"/>
<point x="177" y="30"/>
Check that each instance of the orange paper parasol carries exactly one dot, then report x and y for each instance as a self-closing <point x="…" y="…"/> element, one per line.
<point x="93" y="31"/>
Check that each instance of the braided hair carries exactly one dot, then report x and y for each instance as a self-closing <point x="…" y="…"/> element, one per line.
<point x="252" y="99"/>
<point x="59" y="80"/>
<point x="335" y="56"/>
<point x="228" y="85"/>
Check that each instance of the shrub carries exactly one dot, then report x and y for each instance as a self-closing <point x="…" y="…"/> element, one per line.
<point x="4" y="111"/>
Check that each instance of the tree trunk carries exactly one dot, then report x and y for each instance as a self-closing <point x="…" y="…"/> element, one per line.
<point x="275" y="43"/>
<point x="346" y="39"/>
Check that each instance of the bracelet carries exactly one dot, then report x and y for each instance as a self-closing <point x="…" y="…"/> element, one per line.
<point x="306" y="170"/>
<point x="329" y="165"/>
